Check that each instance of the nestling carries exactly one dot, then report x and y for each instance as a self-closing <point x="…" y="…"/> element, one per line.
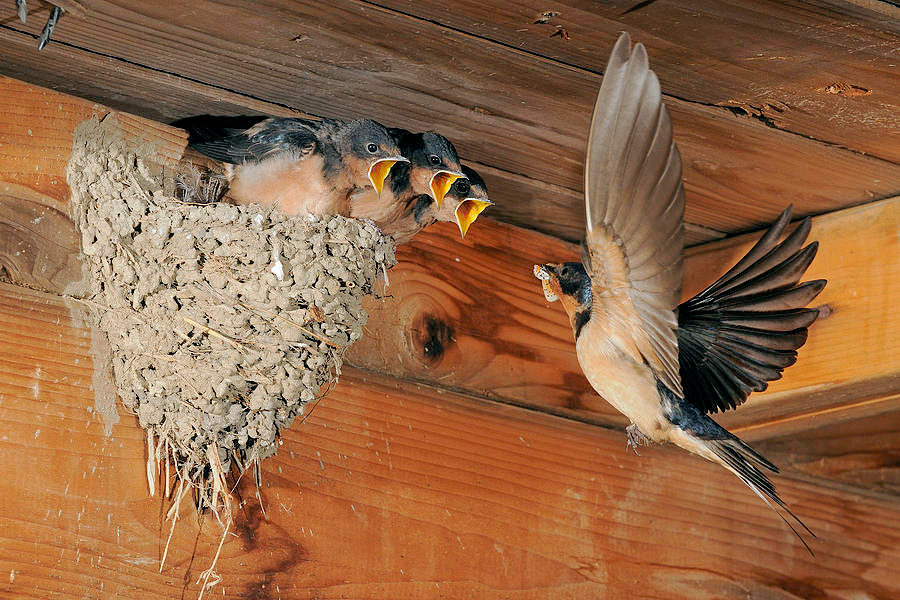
<point x="300" y="165"/>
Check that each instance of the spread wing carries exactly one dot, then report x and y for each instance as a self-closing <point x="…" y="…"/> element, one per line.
<point x="635" y="204"/>
<point x="238" y="140"/>
<point x="744" y="330"/>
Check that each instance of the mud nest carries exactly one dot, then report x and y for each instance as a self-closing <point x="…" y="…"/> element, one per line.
<point x="225" y="322"/>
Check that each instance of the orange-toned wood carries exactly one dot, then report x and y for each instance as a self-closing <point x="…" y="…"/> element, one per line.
<point x="852" y="357"/>
<point x="863" y="451"/>
<point x="526" y="116"/>
<point x="394" y="490"/>
<point x="468" y="315"/>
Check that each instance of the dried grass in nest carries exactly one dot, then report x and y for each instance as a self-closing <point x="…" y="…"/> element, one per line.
<point x="224" y="321"/>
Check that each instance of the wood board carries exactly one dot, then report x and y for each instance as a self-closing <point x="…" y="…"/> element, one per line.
<point x="522" y="113"/>
<point x="396" y="490"/>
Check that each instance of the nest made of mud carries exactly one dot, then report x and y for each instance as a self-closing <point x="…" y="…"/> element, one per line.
<point x="224" y="321"/>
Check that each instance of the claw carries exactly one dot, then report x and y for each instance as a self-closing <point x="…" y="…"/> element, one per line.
<point x="635" y="438"/>
<point x="22" y="10"/>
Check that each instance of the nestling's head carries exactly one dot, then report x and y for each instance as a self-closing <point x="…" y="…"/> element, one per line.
<point x="466" y="199"/>
<point x="434" y="164"/>
<point x="368" y="151"/>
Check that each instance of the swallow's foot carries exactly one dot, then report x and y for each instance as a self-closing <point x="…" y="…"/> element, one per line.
<point x="635" y="438"/>
<point x="198" y="185"/>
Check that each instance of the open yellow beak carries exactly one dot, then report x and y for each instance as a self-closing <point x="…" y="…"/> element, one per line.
<point x="379" y="170"/>
<point x="440" y="184"/>
<point x="467" y="211"/>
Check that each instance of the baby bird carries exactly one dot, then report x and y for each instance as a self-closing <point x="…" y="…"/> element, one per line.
<point x="432" y="168"/>
<point x="303" y="166"/>
<point x="662" y="365"/>
<point x="466" y="199"/>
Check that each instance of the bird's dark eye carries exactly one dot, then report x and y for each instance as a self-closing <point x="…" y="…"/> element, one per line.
<point x="462" y="186"/>
<point x="564" y="272"/>
<point x="435" y="159"/>
<point x="372" y="148"/>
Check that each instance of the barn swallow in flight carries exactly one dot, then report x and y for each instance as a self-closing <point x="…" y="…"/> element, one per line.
<point x="432" y="168"/>
<point x="662" y="365"/>
<point x="463" y="202"/>
<point x="303" y="166"/>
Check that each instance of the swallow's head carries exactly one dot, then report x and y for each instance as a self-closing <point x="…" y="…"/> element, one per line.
<point x="465" y="200"/>
<point x="434" y="163"/>
<point x="370" y="152"/>
<point x="569" y="283"/>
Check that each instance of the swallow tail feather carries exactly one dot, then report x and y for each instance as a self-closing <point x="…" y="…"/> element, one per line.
<point x="745" y="462"/>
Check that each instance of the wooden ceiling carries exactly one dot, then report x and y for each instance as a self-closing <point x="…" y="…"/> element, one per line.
<point x="773" y="102"/>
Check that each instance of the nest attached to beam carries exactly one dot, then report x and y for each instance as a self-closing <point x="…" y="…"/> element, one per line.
<point x="225" y="322"/>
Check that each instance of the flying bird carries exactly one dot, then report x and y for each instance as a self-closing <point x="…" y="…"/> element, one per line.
<point x="663" y="365"/>
<point x="464" y="201"/>
<point x="432" y="167"/>
<point x="303" y="166"/>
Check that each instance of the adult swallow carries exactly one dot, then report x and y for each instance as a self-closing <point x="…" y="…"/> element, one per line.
<point x="665" y="366"/>
<point x="432" y="168"/>
<point x="303" y="166"/>
<point x="464" y="201"/>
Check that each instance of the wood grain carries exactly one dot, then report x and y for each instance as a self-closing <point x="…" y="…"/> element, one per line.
<point x="852" y="355"/>
<point x="468" y="315"/>
<point x="863" y="452"/>
<point x="396" y="490"/>
<point x="505" y="108"/>
<point x="825" y="70"/>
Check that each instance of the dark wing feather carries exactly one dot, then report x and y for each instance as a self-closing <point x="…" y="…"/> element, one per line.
<point x="238" y="140"/>
<point x="744" y="330"/>
<point x="635" y="199"/>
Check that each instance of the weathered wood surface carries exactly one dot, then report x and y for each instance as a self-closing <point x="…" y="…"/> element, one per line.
<point x="393" y="490"/>
<point x="826" y="70"/>
<point x="468" y="315"/>
<point x="863" y="452"/>
<point x="523" y="115"/>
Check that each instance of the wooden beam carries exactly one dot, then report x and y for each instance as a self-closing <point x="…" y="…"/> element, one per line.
<point x="393" y="490"/>
<point x="525" y="116"/>
<point x="863" y="451"/>
<point x="825" y="70"/>
<point x="467" y="315"/>
<point x="850" y="357"/>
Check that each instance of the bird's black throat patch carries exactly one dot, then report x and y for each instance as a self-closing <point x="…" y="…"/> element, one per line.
<point x="581" y="319"/>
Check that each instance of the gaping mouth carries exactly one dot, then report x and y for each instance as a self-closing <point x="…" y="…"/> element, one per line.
<point x="440" y="184"/>
<point x="378" y="171"/>
<point x="467" y="211"/>
<point x="540" y="271"/>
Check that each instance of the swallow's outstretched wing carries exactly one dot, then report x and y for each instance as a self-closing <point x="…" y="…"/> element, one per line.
<point x="635" y="204"/>
<point x="743" y="330"/>
<point x="249" y="139"/>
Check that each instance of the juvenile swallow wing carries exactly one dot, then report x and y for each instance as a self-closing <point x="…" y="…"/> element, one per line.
<point x="743" y="330"/>
<point x="635" y="205"/>
<point x="239" y="140"/>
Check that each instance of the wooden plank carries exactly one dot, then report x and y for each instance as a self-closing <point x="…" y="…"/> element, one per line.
<point x="469" y="316"/>
<point x="397" y="490"/>
<point x="851" y="356"/>
<point x="825" y="70"/>
<point x="863" y="452"/>
<point x="503" y="107"/>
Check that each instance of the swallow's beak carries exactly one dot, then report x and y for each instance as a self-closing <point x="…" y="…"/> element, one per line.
<point x="467" y="211"/>
<point x="440" y="184"/>
<point x="542" y="273"/>
<point x="379" y="170"/>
